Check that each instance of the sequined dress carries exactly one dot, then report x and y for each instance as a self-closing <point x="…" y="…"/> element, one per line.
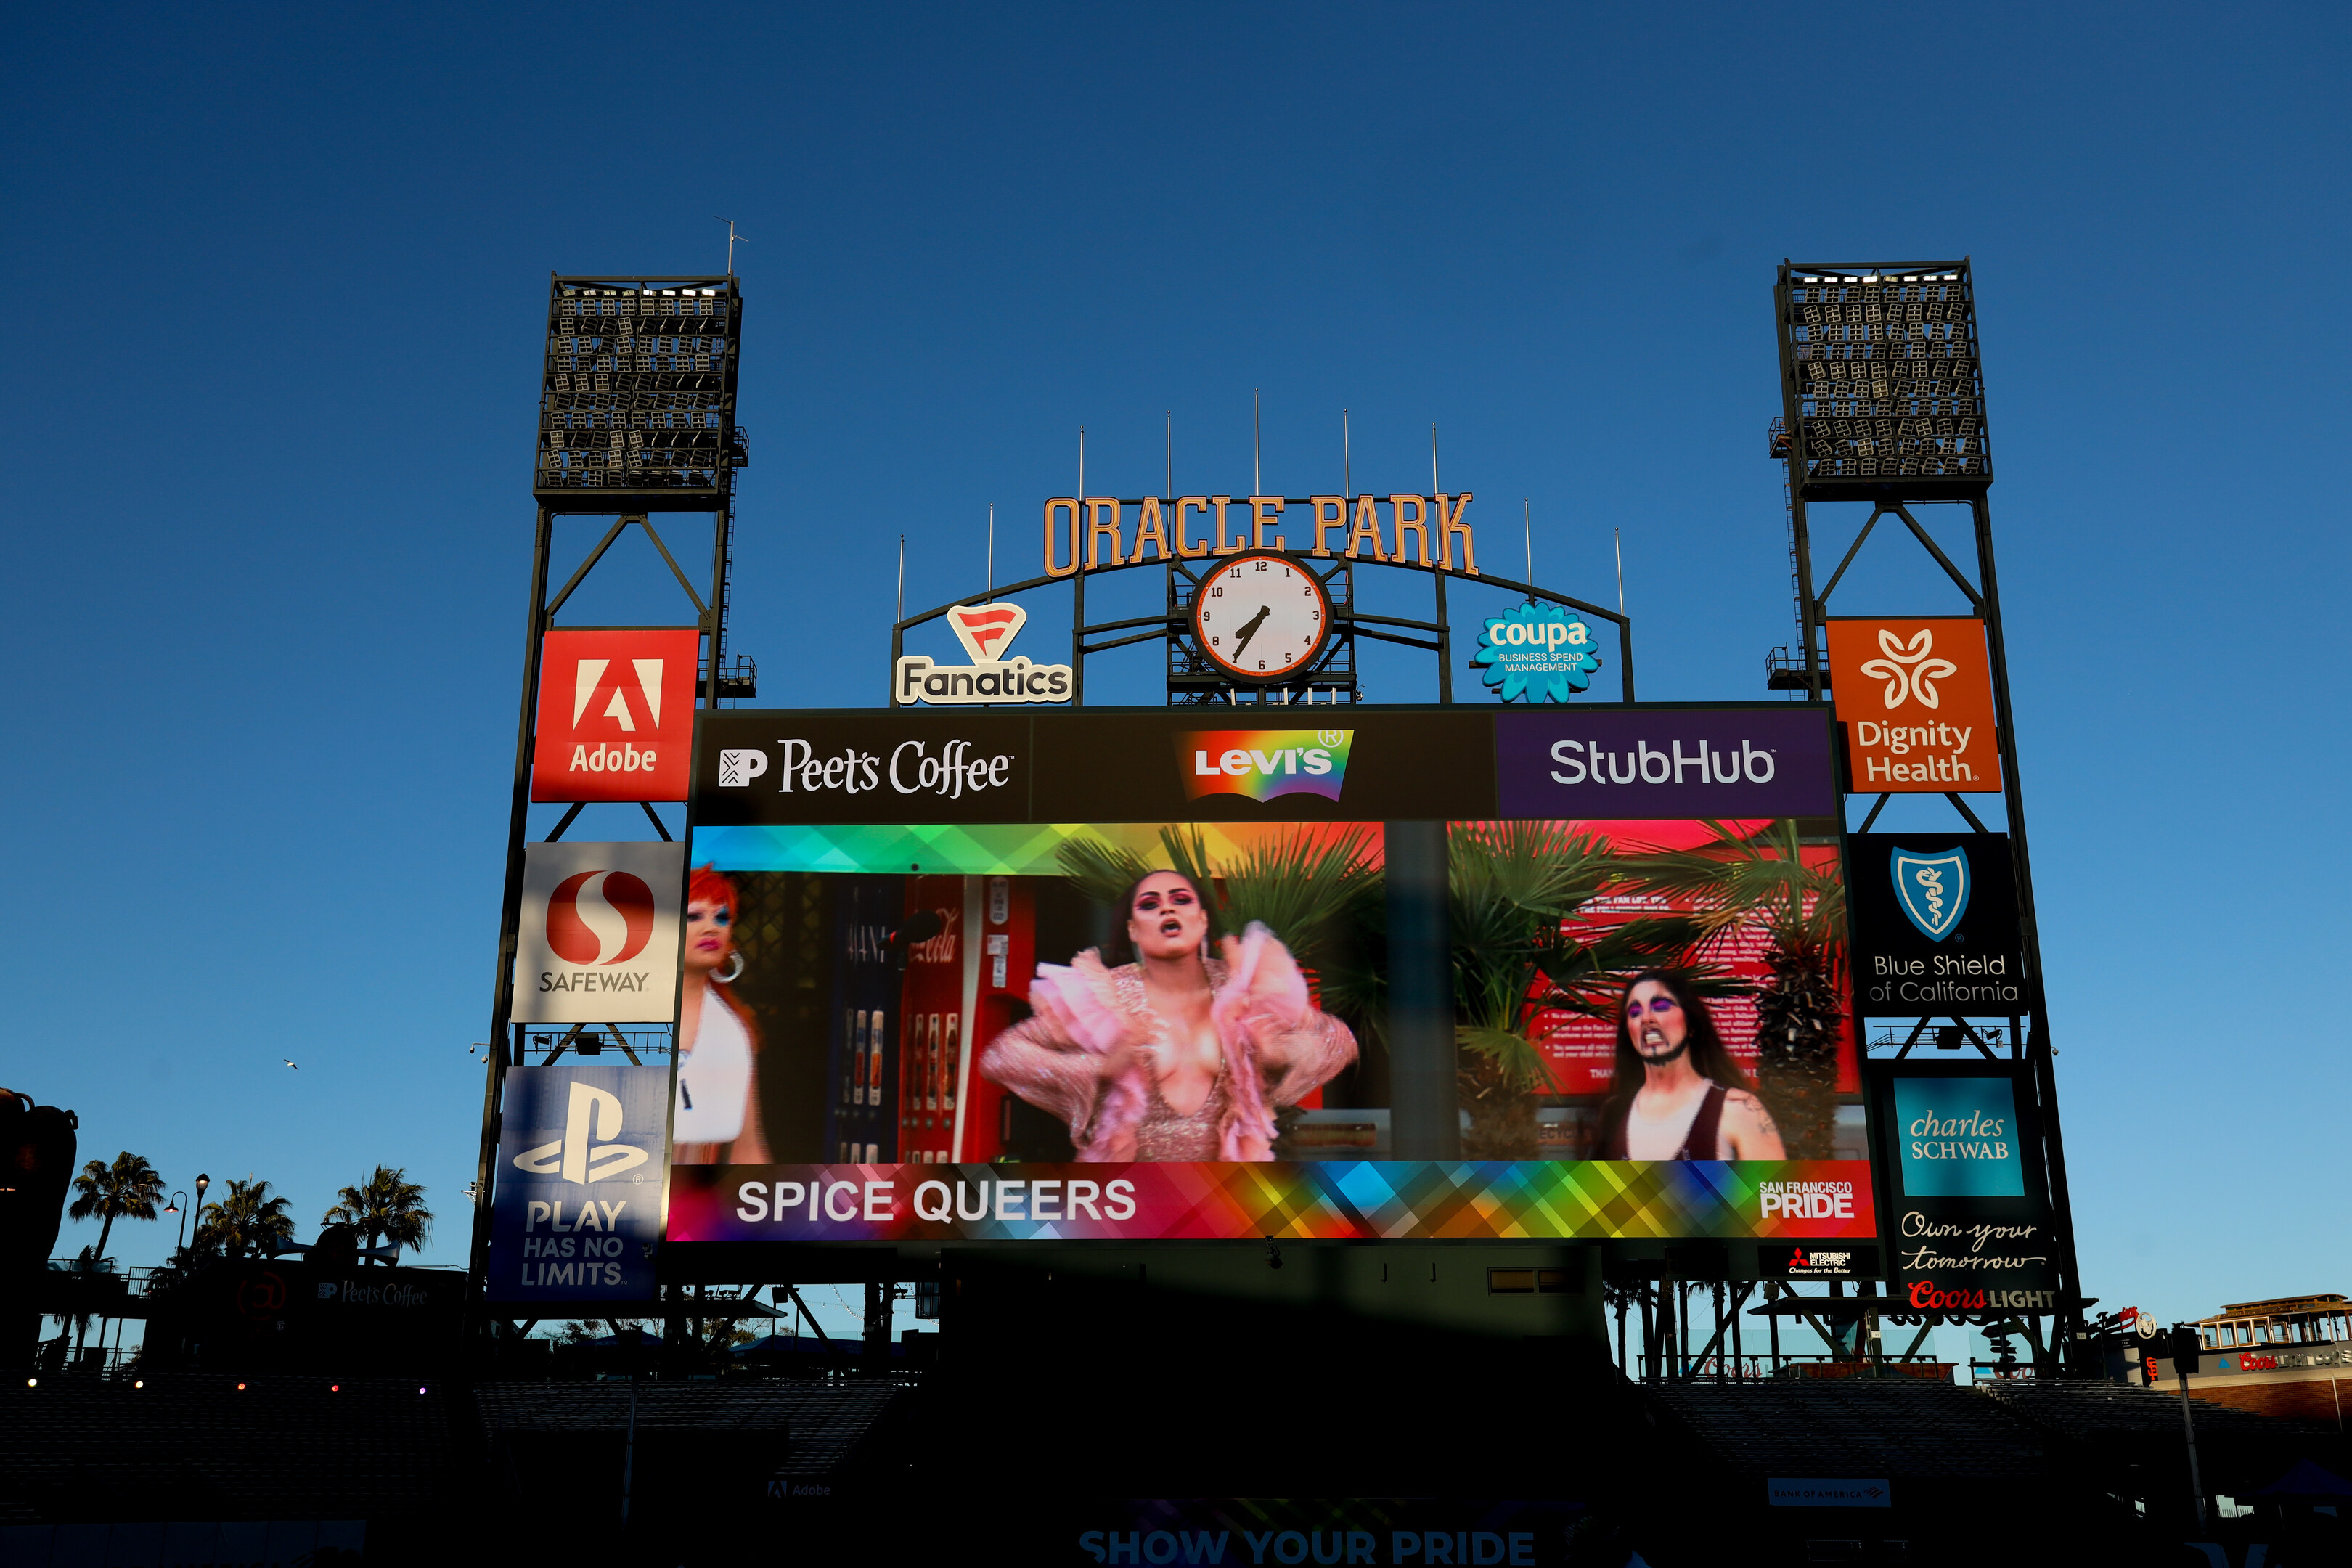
<point x="1046" y="1066"/>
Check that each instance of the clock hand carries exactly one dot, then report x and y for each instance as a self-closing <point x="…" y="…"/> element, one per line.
<point x="1249" y="628"/>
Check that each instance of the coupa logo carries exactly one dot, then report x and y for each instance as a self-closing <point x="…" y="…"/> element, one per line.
<point x="588" y="1150"/>
<point x="1264" y="763"/>
<point x="1932" y="889"/>
<point x="598" y="918"/>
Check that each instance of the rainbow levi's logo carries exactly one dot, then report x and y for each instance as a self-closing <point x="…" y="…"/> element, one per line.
<point x="1263" y="763"/>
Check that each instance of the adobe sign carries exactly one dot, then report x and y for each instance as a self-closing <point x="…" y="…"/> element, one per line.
<point x="1915" y="694"/>
<point x="615" y="715"/>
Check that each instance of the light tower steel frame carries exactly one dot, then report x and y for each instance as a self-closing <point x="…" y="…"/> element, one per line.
<point x="607" y="375"/>
<point x="1930" y="408"/>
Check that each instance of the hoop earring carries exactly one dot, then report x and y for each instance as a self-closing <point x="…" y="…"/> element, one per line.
<point x="737" y="959"/>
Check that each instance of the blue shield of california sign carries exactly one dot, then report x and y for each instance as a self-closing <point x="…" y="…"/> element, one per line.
<point x="1932" y="889"/>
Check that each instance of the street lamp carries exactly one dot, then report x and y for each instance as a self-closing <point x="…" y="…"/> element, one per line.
<point x="178" y="1207"/>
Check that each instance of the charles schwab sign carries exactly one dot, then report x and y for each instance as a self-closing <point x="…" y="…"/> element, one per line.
<point x="1970" y="1223"/>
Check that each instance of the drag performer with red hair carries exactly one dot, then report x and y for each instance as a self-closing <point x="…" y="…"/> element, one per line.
<point x="716" y="1121"/>
<point x="1177" y="1056"/>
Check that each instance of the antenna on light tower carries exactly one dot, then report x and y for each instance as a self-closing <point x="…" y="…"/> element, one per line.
<point x="733" y="239"/>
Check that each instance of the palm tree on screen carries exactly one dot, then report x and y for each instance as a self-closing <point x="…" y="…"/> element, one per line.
<point x="244" y="1220"/>
<point x="388" y="1206"/>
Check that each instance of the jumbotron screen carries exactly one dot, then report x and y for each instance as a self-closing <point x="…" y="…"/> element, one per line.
<point x="1019" y="975"/>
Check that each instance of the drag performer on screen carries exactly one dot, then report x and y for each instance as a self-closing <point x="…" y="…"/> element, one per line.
<point x="716" y="1121"/>
<point x="1176" y="1055"/>
<point x="1676" y="1093"/>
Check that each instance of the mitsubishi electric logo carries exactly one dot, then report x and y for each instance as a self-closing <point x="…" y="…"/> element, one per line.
<point x="1264" y="763"/>
<point x="587" y="1151"/>
<point x="985" y="631"/>
<point x="1932" y="889"/>
<point x="1908" y="670"/>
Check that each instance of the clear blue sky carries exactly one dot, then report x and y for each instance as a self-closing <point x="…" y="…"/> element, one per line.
<point x="277" y="278"/>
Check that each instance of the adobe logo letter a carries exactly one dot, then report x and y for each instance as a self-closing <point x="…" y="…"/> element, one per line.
<point x="615" y="715"/>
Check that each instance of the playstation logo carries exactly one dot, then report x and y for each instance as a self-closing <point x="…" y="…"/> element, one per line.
<point x="587" y="1151"/>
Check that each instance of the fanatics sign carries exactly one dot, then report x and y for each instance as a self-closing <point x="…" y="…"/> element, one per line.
<point x="615" y="714"/>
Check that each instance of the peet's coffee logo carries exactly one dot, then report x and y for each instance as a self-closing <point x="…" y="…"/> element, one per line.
<point x="912" y="767"/>
<point x="985" y="631"/>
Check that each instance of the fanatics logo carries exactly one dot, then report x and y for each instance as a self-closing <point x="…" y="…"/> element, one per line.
<point x="615" y="715"/>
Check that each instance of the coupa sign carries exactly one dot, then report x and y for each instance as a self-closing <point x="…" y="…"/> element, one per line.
<point x="577" y="1212"/>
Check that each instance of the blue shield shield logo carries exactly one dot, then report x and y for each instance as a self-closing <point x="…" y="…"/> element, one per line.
<point x="1932" y="889"/>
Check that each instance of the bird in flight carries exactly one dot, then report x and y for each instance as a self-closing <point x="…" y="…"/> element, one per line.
<point x="289" y="1062"/>
<point x="1249" y="628"/>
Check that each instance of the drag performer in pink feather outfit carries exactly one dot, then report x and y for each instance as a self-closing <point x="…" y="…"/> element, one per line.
<point x="1177" y="1056"/>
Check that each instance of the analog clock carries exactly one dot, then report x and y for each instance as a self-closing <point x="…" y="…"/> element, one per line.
<point x="1261" y="617"/>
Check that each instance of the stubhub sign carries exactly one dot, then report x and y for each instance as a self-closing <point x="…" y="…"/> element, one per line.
<point x="1771" y="761"/>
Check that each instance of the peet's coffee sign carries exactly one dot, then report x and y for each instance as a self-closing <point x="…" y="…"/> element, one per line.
<point x="1970" y="1227"/>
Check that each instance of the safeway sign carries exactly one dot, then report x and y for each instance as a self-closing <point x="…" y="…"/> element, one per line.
<point x="615" y="714"/>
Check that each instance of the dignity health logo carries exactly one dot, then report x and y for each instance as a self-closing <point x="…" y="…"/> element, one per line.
<point x="1908" y="670"/>
<point x="1264" y="763"/>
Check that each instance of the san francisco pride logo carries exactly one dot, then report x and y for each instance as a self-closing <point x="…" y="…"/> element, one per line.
<point x="1264" y="763"/>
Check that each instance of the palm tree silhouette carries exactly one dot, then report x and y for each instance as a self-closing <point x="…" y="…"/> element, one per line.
<point x="386" y="1205"/>
<point x="246" y="1219"/>
<point x="126" y="1189"/>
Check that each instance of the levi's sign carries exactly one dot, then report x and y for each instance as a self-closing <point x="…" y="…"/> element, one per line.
<point x="1689" y="761"/>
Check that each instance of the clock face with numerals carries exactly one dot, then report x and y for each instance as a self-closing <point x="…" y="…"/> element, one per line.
<point x="1261" y="617"/>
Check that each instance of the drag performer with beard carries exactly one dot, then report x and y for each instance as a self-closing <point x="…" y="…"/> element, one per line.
<point x="1177" y="1056"/>
<point x="1676" y="1093"/>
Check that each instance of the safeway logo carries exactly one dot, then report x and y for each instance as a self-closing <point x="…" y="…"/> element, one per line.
<point x="588" y="1150"/>
<point x="600" y="917"/>
<point x="599" y="934"/>
<point x="615" y="715"/>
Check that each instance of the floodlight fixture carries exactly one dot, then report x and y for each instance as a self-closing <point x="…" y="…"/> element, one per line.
<point x="636" y="406"/>
<point x="1882" y="383"/>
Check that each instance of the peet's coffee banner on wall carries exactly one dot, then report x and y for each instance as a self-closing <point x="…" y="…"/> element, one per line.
<point x="786" y="767"/>
<point x="1969" y="1226"/>
<point x="1935" y="924"/>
